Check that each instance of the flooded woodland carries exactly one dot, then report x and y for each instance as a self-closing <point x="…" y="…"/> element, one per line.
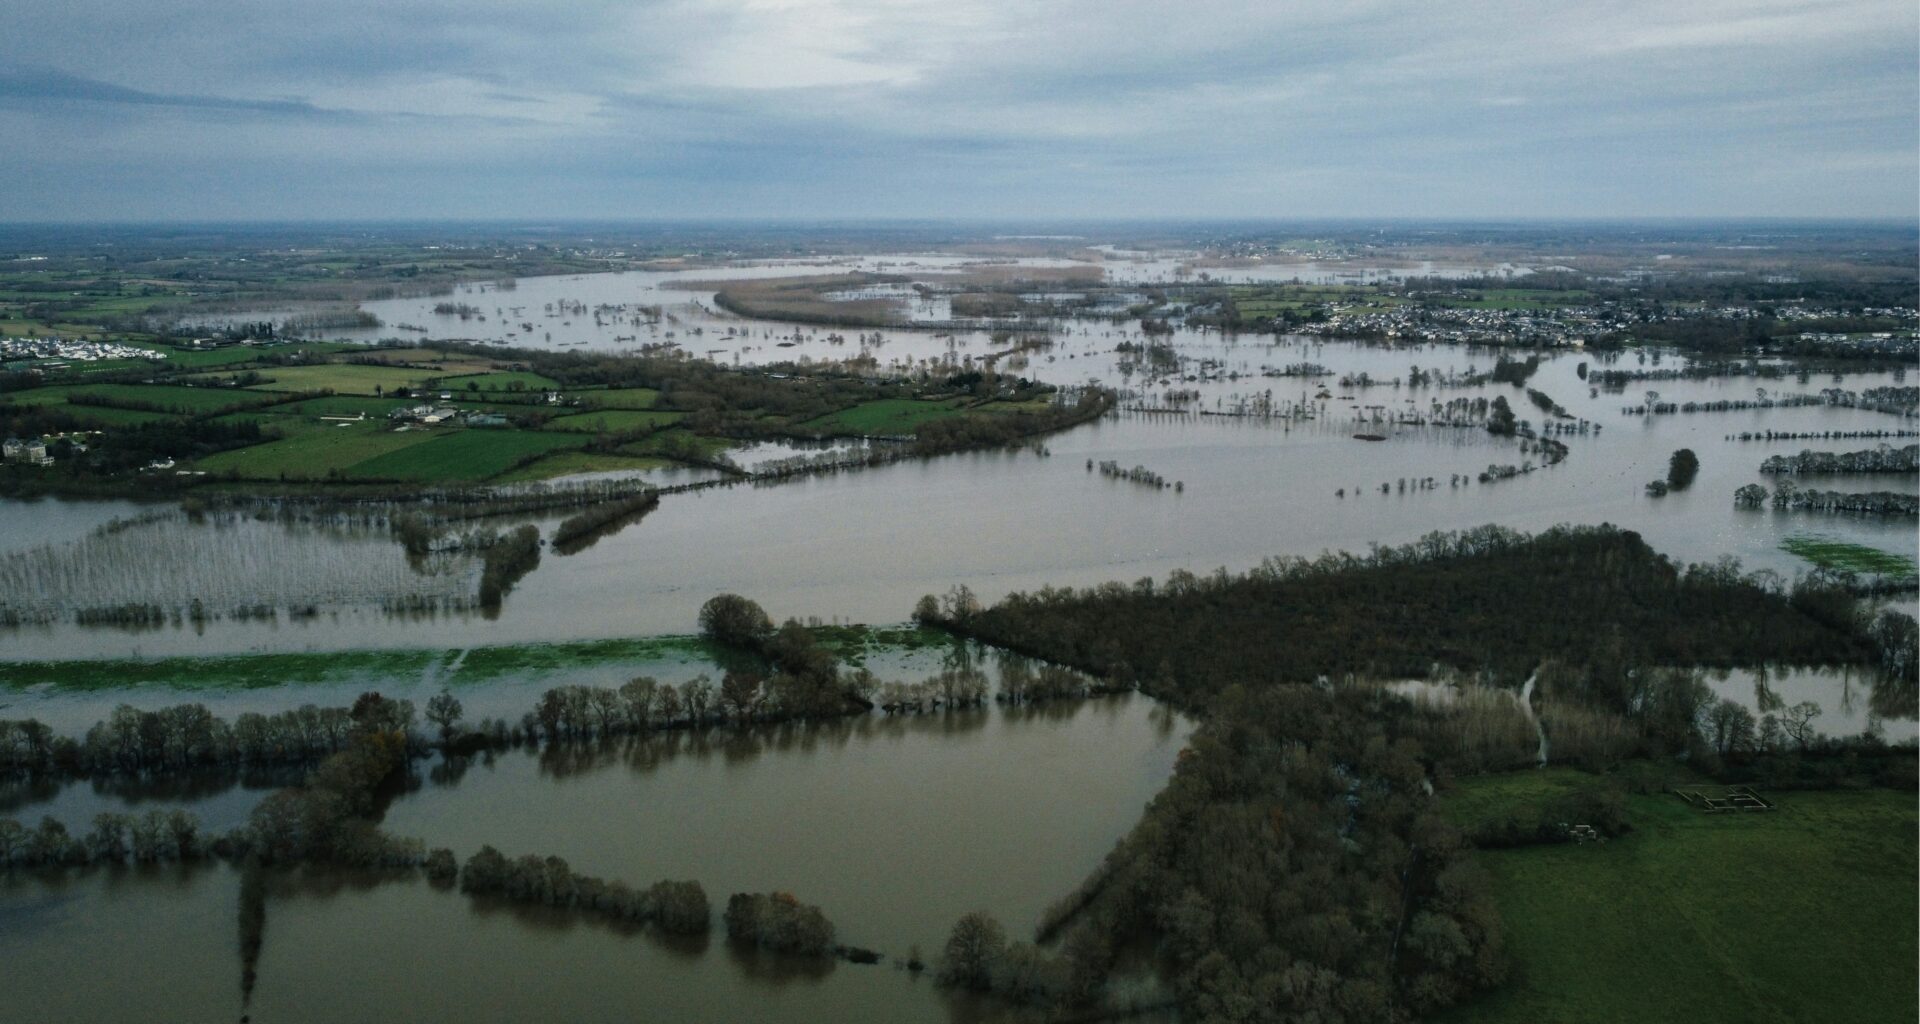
<point x="1248" y="446"/>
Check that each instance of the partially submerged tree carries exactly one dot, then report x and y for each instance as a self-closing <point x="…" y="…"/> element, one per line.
<point x="735" y="621"/>
<point x="1682" y="468"/>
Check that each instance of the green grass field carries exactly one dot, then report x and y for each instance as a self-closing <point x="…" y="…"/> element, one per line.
<point x="102" y="417"/>
<point x="451" y="666"/>
<point x="677" y="442"/>
<point x="1489" y="797"/>
<point x="1834" y="554"/>
<point x="500" y="380"/>
<point x="1035" y="405"/>
<point x="346" y="405"/>
<point x="37" y="396"/>
<point x="183" y="400"/>
<point x="206" y="359"/>
<point x="1801" y="914"/>
<point x="313" y="454"/>
<point x="343" y="378"/>
<point x="611" y="421"/>
<point x="254" y="671"/>
<point x="465" y="455"/>
<point x="273" y="424"/>
<point x="618" y="398"/>
<point x="886" y="416"/>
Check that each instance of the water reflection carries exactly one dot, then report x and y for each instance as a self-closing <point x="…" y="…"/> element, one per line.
<point x="214" y="942"/>
<point x="895" y="826"/>
<point x="1852" y="701"/>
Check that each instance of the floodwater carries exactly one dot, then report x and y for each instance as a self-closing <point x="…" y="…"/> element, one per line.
<point x="895" y="827"/>
<point x="1851" y="701"/>
<point x="864" y="546"/>
<point x="344" y="947"/>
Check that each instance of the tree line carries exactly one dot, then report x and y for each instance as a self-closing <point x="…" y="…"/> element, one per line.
<point x="1294" y="869"/>
<point x="1487" y="600"/>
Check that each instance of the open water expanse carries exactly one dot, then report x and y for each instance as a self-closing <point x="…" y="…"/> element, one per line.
<point x="894" y="826"/>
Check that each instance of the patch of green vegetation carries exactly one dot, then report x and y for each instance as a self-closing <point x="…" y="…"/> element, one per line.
<point x="256" y="671"/>
<point x="238" y="355"/>
<point x="237" y="672"/>
<point x="569" y="462"/>
<point x="887" y="416"/>
<point x="343" y="378"/>
<point x="465" y="455"/>
<point x="611" y="421"/>
<point x="205" y="359"/>
<point x="454" y="667"/>
<point x="461" y="667"/>
<point x="1835" y="554"/>
<point x="619" y="398"/>
<point x="482" y="663"/>
<point x="676" y="443"/>
<point x="1031" y="405"/>
<point x="1484" y="797"/>
<point x="183" y="400"/>
<point x="346" y="405"/>
<point x="55" y="395"/>
<point x="313" y="454"/>
<point x="853" y="643"/>
<point x="1800" y="914"/>
<point x="501" y="380"/>
<point x="274" y="425"/>
<point x="106" y="416"/>
<point x="1258" y="302"/>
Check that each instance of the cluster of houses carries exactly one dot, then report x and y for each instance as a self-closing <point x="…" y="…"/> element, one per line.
<point x="32" y="451"/>
<point x="1563" y="326"/>
<point x="31" y="354"/>
<point x="431" y="415"/>
<point x="38" y="451"/>
<point x="1573" y="325"/>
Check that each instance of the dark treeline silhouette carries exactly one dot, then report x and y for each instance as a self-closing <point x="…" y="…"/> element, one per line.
<point x="577" y="532"/>
<point x="183" y="737"/>
<point x="680" y="907"/>
<point x="1820" y="435"/>
<point x="1682" y="468"/>
<point x="954" y="433"/>
<point x="1884" y="459"/>
<point x="1514" y="371"/>
<point x="779" y="922"/>
<point x="1789" y="496"/>
<point x="329" y="819"/>
<point x="509" y="558"/>
<point x="1488" y="600"/>
<point x="125" y="449"/>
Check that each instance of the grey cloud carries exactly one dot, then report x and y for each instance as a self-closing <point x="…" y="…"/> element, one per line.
<point x="863" y="107"/>
<point x="29" y="84"/>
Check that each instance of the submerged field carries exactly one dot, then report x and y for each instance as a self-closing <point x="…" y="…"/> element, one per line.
<point x="1801" y="914"/>
<point x="452" y="666"/>
<point x="456" y="666"/>
<point x="1834" y="554"/>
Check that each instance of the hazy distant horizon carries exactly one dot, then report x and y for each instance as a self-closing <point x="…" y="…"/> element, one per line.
<point x="1035" y="224"/>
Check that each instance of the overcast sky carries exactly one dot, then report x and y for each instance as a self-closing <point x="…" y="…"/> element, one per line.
<point x="276" y="109"/>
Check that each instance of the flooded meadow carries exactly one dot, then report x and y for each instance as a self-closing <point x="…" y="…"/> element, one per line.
<point x="896" y="825"/>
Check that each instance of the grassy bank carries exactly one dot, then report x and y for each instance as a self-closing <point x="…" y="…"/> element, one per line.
<point x="1699" y="918"/>
<point x="453" y="666"/>
<point x="450" y="666"/>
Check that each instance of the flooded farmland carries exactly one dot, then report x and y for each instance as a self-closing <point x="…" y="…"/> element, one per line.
<point x="1269" y="446"/>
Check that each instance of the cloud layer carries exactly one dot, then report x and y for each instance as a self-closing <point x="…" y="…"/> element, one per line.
<point x="120" y="109"/>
